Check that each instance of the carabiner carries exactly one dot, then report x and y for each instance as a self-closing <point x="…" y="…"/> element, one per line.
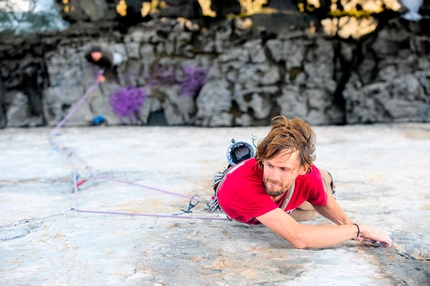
<point x="191" y="204"/>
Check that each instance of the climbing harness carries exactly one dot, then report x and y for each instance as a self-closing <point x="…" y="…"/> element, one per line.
<point x="69" y="153"/>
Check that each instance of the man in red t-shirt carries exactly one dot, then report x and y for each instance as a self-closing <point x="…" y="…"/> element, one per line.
<point x="281" y="178"/>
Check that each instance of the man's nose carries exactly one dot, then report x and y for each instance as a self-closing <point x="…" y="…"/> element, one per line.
<point x="274" y="174"/>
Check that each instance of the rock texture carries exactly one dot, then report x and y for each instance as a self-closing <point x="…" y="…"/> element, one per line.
<point x="381" y="174"/>
<point x="248" y="71"/>
<point x="396" y="86"/>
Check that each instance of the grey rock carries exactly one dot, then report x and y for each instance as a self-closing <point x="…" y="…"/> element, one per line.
<point x="231" y="76"/>
<point x="150" y="104"/>
<point x="138" y="35"/>
<point x="371" y="165"/>
<point x="147" y="53"/>
<point x="256" y="51"/>
<point x="314" y="66"/>
<point x="178" y="108"/>
<point x="261" y="105"/>
<point x="387" y="73"/>
<point x="133" y="73"/>
<point x="243" y="95"/>
<point x="100" y="107"/>
<point x="271" y="76"/>
<point x="322" y="110"/>
<point x="213" y="103"/>
<point x="169" y="48"/>
<point x="291" y="103"/>
<point x="275" y="49"/>
<point x="243" y="120"/>
<point x="58" y="101"/>
<point x="387" y="44"/>
<point x="182" y="40"/>
<point x="293" y="52"/>
<point x="235" y="55"/>
<point x="252" y="75"/>
<point x="368" y="69"/>
<point x="18" y="114"/>
<point x="347" y="50"/>
<point x="401" y="99"/>
<point x="318" y="65"/>
<point x="221" y="120"/>
<point x="99" y="103"/>
<point x="133" y="50"/>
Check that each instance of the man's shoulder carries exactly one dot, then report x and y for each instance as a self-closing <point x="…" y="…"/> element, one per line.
<point x="249" y="166"/>
<point x="315" y="171"/>
<point x="313" y="176"/>
<point x="243" y="175"/>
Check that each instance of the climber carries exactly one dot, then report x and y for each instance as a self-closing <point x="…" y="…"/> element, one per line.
<point x="280" y="186"/>
<point x="105" y="59"/>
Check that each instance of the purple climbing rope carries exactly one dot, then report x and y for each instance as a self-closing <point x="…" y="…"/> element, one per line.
<point x="151" y="215"/>
<point x="69" y="153"/>
<point x="74" y="109"/>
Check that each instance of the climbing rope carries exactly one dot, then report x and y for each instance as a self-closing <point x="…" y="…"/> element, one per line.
<point x="69" y="153"/>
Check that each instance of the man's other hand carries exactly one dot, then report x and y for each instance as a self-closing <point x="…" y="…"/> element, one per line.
<point x="101" y="78"/>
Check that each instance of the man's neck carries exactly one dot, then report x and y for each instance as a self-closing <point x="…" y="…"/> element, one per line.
<point x="276" y="199"/>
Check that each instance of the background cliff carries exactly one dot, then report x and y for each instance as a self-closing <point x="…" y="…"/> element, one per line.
<point x="223" y="63"/>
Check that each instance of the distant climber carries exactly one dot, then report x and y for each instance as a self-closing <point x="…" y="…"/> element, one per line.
<point x="106" y="59"/>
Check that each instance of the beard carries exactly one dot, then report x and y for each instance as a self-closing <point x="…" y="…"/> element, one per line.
<point x="275" y="188"/>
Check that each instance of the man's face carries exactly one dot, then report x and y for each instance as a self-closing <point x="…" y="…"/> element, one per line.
<point x="96" y="56"/>
<point x="280" y="172"/>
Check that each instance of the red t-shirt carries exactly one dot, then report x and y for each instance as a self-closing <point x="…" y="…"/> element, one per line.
<point x="242" y="195"/>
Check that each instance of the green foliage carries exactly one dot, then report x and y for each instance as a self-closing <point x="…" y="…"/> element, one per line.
<point x="30" y="21"/>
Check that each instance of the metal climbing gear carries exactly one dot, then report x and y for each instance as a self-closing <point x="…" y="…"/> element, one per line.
<point x="237" y="152"/>
<point x="191" y="204"/>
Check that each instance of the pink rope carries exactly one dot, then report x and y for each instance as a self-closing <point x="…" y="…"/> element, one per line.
<point x="65" y="150"/>
<point x="150" y="215"/>
<point x="74" y="109"/>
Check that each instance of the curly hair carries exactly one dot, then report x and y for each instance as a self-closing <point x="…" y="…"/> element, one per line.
<point x="290" y="135"/>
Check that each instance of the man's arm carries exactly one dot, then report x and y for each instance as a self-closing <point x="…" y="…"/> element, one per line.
<point x="317" y="236"/>
<point x="332" y="211"/>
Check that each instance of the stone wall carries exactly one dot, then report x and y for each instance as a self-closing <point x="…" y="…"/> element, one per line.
<point x="251" y="71"/>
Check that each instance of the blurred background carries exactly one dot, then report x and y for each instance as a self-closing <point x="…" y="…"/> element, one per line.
<point x="214" y="62"/>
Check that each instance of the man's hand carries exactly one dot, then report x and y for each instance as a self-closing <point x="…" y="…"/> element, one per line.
<point x="373" y="235"/>
<point x="101" y="78"/>
<point x="319" y="236"/>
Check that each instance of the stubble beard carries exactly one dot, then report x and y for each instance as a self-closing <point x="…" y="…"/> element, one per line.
<point x="274" y="193"/>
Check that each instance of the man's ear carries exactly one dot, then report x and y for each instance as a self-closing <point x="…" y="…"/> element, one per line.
<point x="306" y="169"/>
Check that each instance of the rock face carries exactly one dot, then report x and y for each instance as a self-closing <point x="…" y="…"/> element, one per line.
<point x="392" y="83"/>
<point x="380" y="177"/>
<point x="205" y="71"/>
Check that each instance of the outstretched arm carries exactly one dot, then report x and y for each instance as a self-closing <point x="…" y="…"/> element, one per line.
<point x="317" y="236"/>
<point x="332" y="211"/>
